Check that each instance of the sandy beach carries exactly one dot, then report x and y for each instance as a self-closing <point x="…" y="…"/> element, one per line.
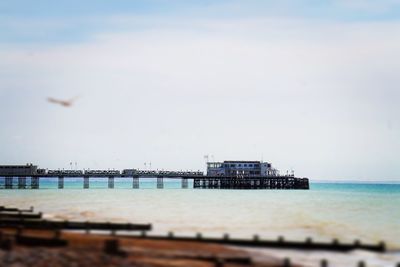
<point x="95" y="250"/>
<point x="27" y="247"/>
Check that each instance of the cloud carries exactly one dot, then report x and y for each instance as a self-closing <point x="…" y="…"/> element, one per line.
<point x="309" y="94"/>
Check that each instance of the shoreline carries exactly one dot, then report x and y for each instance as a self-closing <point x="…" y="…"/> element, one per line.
<point x="29" y="239"/>
<point x="84" y="249"/>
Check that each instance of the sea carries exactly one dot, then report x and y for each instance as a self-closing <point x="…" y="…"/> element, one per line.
<point x="368" y="212"/>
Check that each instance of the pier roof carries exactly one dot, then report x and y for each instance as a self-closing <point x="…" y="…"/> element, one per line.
<point x="241" y="161"/>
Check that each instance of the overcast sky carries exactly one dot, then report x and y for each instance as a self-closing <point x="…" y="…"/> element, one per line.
<point x="308" y="85"/>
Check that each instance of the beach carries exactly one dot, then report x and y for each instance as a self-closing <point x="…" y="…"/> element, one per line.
<point x="367" y="212"/>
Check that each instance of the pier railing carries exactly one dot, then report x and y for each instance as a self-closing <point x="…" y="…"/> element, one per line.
<point x="117" y="173"/>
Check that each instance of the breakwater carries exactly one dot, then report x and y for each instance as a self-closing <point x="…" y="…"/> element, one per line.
<point x="28" y="220"/>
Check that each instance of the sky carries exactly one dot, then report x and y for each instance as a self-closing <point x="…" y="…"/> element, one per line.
<point x="308" y="85"/>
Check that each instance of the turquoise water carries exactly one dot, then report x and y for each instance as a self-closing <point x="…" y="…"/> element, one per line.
<point x="358" y="187"/>
<point x="369" y="212"/>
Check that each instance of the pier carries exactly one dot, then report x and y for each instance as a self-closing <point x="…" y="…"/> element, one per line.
<point x="199" y="181"/>
<point x="227" y="175"/>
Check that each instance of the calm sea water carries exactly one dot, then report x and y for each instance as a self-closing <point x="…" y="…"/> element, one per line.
<point x="369" y="212"/>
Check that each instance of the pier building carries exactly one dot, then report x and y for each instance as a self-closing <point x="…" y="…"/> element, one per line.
<point x="16" y="170"/>
<point x="241" y="169"/>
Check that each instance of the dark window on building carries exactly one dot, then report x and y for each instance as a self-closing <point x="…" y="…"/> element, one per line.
<point x="245" y="165"/>
<point x="232" y="165"/>
<point x="240" y="165"/>
<point x="257" y="165"/>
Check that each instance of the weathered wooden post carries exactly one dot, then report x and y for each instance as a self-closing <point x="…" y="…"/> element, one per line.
<point x="60" y="182"/>
<point x="170" y="235"/>
<point x="111" y="246"/>
<point x="382" y="246"/>
<point x="286" y="262"/>
<point x="256" y="238"/>
<point x="324" y="263"/>
<point x="219" y="262"/>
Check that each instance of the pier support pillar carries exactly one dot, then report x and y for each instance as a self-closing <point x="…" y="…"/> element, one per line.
<point x="135" y="182"/>
<point x="160" y="182"/>
<point x="204" y="183"/>
<point x="86" y="182"/>
<point x="267" y="183"/>
<point x="35" y="182"/>
<point x="185" y="183"/>
<point x="8" y="182"/>
<point x="196" y="183"/>
<point x="21" y="182"/>
<point x="60" y="182"/>
<point x="111" y="182"/>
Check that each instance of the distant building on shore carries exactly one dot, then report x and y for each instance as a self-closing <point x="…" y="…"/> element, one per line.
<point x="241" y="168"/>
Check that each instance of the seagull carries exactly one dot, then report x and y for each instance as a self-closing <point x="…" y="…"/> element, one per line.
<point x="64" y="103"/>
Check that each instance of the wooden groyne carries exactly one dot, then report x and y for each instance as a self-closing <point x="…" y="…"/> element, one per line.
<point x="21" y="223"/>
<point x="16" y="218"/>
<point x="279" y="243"/>
<point x="20" y="235"/>
<point x="72" y="225"/>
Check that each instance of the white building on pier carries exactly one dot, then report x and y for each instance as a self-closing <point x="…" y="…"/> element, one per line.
<point x="241" y="169"/>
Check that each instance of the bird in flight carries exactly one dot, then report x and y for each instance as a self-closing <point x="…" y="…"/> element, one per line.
<point x="64" y="103"/>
